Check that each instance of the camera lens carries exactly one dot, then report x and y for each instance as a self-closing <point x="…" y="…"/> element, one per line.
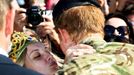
<point x="35" y="19"/>
<point x="34" y="15"/>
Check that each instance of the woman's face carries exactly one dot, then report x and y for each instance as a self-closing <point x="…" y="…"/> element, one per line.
<point x="119" y="25"/>
<point x="38" y="58"/>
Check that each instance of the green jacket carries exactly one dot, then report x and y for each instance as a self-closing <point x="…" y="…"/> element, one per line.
<point x="111" y="58"/>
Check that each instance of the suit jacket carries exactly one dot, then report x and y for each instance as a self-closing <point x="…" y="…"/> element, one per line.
<point x="7" y="67"/>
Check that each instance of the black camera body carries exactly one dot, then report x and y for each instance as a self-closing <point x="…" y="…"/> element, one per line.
<point x="34" y="15"/>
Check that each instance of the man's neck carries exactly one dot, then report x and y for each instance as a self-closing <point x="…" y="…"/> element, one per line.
<point x="3" y="42"/>
<point x="3" y="52"/>
<point x="95" y="35"/>
<point x="3" y="45"/>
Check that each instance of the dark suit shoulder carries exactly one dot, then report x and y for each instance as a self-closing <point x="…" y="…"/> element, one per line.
<point x="13" y="69"/>
<point x="7" y="67"/>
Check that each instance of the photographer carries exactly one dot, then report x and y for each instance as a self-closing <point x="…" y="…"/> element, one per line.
<point x="34" y="18"/>
<point x="44" y="27"/>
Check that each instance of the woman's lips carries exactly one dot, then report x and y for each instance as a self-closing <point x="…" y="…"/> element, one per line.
<point x="52" y="62"/>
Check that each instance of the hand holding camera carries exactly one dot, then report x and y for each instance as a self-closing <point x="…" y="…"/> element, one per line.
<point x="40" y="22"/>
<point x="34" y="16"/>
<point x="47" y="28"/>
<point x="20" y="19"/>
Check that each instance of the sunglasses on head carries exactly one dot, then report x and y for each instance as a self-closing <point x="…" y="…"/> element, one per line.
<point x="123" y="30"/>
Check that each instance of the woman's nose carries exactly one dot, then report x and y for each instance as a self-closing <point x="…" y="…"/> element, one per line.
<point x="47" y="57"/>
<point x="116" y="33"/>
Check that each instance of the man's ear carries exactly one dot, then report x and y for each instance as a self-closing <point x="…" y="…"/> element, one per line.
<point x="9" y="23"/>
<point x="64" y="36"/>
<point x="65" y="40"/>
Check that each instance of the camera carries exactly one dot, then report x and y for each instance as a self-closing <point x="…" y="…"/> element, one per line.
<point x="34" y="15"/>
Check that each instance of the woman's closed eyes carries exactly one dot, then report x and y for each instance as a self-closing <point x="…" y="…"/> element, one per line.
<point x="35" y="54"/>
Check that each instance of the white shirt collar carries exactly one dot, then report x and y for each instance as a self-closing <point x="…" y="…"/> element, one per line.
<point x="3" y="52"/>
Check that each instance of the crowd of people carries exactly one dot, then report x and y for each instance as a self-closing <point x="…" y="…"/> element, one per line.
<point x="67" y="37"/>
